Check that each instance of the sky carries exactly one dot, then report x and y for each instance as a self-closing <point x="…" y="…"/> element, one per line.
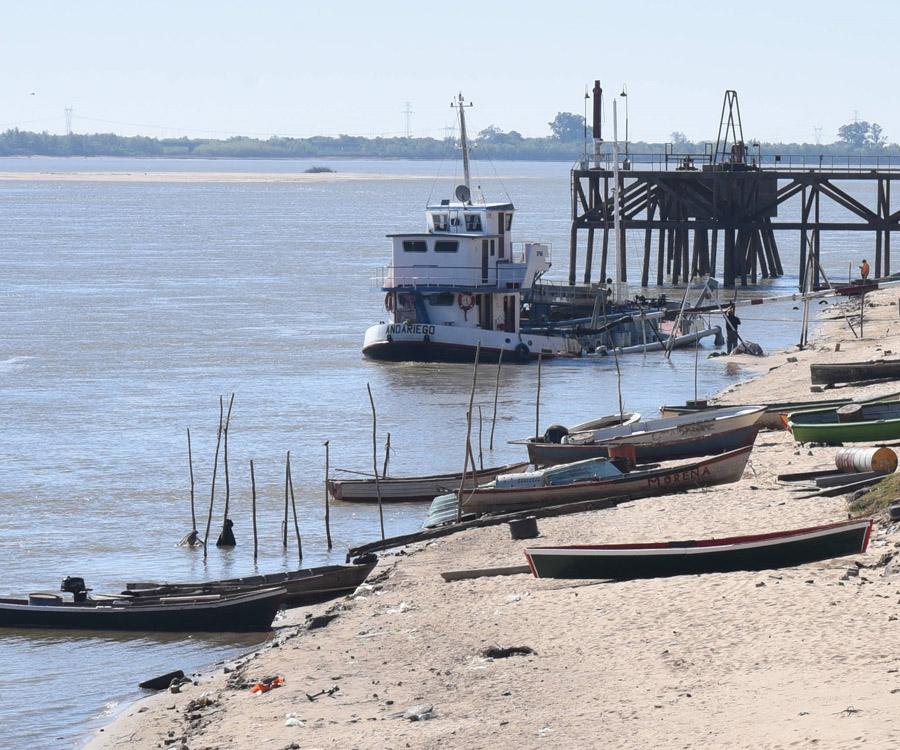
<point x="801" y="68"/>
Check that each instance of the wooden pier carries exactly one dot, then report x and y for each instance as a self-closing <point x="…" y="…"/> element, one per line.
<point x="705" y="216"/>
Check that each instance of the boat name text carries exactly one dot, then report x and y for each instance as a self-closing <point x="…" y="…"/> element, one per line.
<point x="407" y="329"/>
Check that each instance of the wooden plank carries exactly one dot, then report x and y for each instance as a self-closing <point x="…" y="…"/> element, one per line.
<point x="441" y="531"/>
<point x="463" y="575"/>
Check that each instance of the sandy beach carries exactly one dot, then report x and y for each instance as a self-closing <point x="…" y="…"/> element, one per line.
<point x="796" y="657"/>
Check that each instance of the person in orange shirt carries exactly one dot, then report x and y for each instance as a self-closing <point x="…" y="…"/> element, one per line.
<point x="864" y="269"/>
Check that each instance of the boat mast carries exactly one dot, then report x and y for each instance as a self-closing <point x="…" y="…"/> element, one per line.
<point x="464" y="144"/>
<point x="617" y="229"/>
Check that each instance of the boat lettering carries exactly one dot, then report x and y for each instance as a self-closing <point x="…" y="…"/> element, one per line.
<point x="681" y="477"/>
<point x="410" y="329"/>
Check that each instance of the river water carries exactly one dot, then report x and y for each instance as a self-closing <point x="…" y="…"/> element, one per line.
<point x="129" y="308"/>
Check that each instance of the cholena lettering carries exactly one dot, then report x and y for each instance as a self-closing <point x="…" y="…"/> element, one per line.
<point x="410" y="329"/>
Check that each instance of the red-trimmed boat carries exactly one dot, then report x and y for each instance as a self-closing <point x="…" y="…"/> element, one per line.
<point x="780" y="549"/>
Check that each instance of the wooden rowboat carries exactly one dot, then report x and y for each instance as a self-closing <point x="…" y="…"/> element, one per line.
<point x="666" y="439"/>
<point x="854" y="372"/>
<point x="301" y="587"/>
<point x="213" y="613"/>
<point x="554" y="433"/>
<point x="489" y="498"/>
<point x="771" y="418"/>
<point x="853" y="423"/>
<point x="412" y="489"/>
<point x="757" y="552"/>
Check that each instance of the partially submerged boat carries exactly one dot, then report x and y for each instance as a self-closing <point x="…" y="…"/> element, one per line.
<point x="588" y="480"/>
<point x="871" y="422"/>
<point x="211" y="613"/>
<point x="780" y="549"/>
<point x="413" y="489"/>
<point x="664" y="439"/>
<point x="301" y="587"/>
<point x="459" y="283"/>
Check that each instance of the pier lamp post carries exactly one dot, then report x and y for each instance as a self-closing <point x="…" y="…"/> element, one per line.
<point x="624" y="95"/>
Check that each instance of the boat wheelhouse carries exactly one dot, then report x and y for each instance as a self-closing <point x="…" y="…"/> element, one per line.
<point x="459" y="284"/>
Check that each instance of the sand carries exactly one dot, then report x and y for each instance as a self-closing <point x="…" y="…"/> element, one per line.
<point x="797" y="657"/>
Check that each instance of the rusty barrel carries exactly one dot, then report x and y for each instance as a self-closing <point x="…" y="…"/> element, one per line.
<point x="853" y="460"/>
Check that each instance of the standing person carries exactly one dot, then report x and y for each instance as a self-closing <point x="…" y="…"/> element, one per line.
<point x="864" y="269"/>
<point x="732" y="322"/>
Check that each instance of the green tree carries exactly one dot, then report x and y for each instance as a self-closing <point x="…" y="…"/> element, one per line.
<point x="567" y="127"/>
<point x="854" y="134"/>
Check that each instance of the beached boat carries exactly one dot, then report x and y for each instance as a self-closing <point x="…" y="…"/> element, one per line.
<point x="301" y="587"/>
<point x="780" y="549"/>
<point x="771" y="418"/>
<point x="872" y="422"/>
<point x="412" y="489"/>
<point x="591" y="480"/>
<point x="556" y="432"/>
<point x="664" y="439"/>
<point x="459" y="283"/>
<point x="212" y="613"/>
<point x="854" y="372"/>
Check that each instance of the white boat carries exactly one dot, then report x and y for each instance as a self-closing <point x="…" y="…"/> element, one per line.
<point x="459" y="283"/>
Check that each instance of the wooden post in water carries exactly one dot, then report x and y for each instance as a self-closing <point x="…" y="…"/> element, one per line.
<point x="226" y="537"/>
<point x="327" y="501"/>
<point x="212" y="491"/>
<point x="294" y="509"/>
<point x="387" y="455"/>
<point x="537" y="400"/>
<point x="462" y="482"/>
<point x="496" y="393"/>
<point x="191" y="468"/>
<point x="253" y="510"/>
<point x="287" y="477"/>
<point x="480" y="433"/>
<point x="375" y="459"/>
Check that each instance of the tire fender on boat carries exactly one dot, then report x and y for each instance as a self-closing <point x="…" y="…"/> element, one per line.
<point x="522" y="351"/>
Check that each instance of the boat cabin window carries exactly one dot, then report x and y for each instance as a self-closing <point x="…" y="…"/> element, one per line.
<point x="473" y="222"/>
<point x="446" y="246"/>
<point x="444" y="298"/>
<point x="441" y="222"/>
<point x="508" y="221"/>
<point x="415" y="246"/>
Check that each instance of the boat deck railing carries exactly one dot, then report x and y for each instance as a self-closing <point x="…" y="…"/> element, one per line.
<point x="503" y="278"/>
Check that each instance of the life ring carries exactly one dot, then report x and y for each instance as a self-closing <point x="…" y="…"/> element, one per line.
<point x="466" y="301"/>
<point x="523" y="352"/>
<point x="389" y="302"/>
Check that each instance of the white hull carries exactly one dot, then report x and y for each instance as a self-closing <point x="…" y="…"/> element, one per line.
<point x="441" y="343"/>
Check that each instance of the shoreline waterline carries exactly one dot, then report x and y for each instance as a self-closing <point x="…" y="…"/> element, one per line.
<point x="724" y="659"/>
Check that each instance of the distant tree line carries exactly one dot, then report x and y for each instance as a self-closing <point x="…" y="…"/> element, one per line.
<point x="566" y="142"/>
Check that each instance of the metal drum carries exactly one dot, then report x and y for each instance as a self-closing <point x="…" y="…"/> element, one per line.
<point x="854" y="460"/>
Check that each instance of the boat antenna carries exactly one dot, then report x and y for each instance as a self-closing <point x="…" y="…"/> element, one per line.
<point x="460" y="105"/>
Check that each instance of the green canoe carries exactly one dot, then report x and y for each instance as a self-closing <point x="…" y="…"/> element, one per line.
<point x="875" y="422"/>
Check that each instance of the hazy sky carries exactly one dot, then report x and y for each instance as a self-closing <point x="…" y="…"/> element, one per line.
<point x="307" y="67"/>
